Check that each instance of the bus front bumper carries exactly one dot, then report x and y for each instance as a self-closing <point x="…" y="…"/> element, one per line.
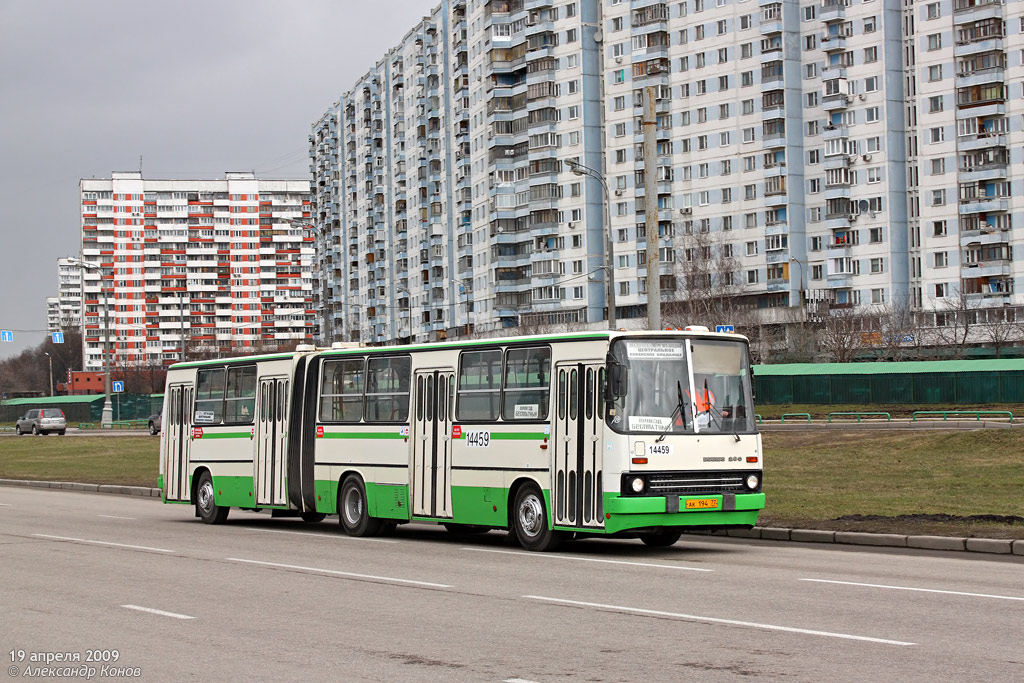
<point x="623" y="513"/>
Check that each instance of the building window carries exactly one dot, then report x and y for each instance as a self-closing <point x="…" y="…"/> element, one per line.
<point x="871" y="84"/>
<point x="870" y="54"/>
<point x="935" y="73"/>
<point x="933" y="10"/>
<point x="938" y="197"/>
<point x="934" y="104"/>
<point x="878" y="296"/>
<point x="877" y="266"/>
<point x="872" y="114"/>
<point x="941" y="259"/>
<point x="939" y="228"/>
<point x="938" y="166"/>
<point x="751" y="277"/>
<point x="934" y="41"/>
<point x="870" y="24"/>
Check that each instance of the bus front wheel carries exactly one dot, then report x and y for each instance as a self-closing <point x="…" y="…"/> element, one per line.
<point x="353" y="510"/>
<point x="530" y="521"/>
<point x="208" y="510"/>
<point x="662" y="538"/>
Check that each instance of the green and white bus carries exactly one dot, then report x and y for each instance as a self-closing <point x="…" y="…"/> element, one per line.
<point x="599" y="433"/>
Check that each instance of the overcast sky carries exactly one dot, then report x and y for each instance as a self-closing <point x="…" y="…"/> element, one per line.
<point x="195" y="87"/>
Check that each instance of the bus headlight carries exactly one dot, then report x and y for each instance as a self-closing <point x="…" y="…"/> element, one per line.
<point x="752" y="482"/>
<point x="637" y="484"/>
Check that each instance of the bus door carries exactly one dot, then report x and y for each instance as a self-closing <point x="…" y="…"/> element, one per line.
<point x="178" y="430"/>
<point x="577" y="467"/>
<point x="271" y="441"/>
<point x="431" y="485"/>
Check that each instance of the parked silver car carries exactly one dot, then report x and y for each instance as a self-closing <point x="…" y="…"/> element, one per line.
<point x="156" y="423"/>
<point x="42" y="421"/>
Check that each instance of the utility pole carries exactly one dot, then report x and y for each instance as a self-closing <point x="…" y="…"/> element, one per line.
<point x="650" y="125"/>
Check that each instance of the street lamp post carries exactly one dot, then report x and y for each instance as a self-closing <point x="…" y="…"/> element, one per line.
<point x="108" y="410"/>
<point x="609" y="254"/>
<point x="50" y="359"/>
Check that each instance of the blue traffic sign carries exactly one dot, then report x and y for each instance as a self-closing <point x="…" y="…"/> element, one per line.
<point x="724" y="328"/>
<point x="6" y="335"/>
<point x="117" y="387"/>
<point x="58" y="337"/>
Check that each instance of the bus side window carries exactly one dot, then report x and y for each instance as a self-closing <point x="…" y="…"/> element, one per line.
<point x="527" y="384"/>
<point x="240" y="399"/>
<point x="561" y="394"/>
<point x="387" y="388"/>
<point x="341" y="391"/>
<point x="479" y="390"/>
<point x="210" y="396"/>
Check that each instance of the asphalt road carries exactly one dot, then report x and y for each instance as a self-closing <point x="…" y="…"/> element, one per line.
<point x="260" y="599"/>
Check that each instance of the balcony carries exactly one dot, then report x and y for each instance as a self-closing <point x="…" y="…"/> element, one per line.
<point x="969" y="11"/>
<point x="983" y="205"/>
<point x="832" y="10"/>
<point x="836" y="102"/>
<point x="833" y="43"/>
<point x="981" y="141"/>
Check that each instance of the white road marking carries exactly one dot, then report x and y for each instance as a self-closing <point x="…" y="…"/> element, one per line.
<point x="338" y="535"/>
<point x="5" y="505"/>
<point x="334" y="572"/>
<point x="543" y="556"/>
<point x="714" y="620"/>
<point x="115" y="517"/>
<point x="116" y="545"/>
<point x="157" y="611"/>
<point x="518" y="680"/>
<point x="920" y="590"/>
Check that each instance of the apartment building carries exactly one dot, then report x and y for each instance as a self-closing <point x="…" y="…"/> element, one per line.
<point x="812" y="155"/>
<point x="194" y="266"/>
<point x="966" y="68"/>
<point x="64" y="311"/>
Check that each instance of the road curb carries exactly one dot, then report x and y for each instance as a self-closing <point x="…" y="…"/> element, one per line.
<point x="143" y="491"/>
<point x="975" y="545"/>
<point x="998" y="546"/>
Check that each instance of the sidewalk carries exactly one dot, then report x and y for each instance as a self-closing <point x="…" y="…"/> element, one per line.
<point x="975" y="545"/>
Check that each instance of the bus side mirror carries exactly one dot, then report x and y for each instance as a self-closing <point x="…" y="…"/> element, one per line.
<point x="618" y="377"/>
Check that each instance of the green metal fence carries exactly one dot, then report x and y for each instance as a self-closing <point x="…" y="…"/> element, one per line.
<point x="956" y="387"/>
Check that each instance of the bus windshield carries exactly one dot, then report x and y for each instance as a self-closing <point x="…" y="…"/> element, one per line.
<point x="683" y="386"/>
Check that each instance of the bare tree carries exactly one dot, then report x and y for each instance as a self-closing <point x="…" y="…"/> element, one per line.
<point x="954" y="322"/>
<point x="1002" y="329"/>
<point x="841" y="335"/>
<point x="706" y="290"/>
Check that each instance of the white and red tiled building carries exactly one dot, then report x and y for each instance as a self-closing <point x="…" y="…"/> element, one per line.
<point x="195" y="266"/>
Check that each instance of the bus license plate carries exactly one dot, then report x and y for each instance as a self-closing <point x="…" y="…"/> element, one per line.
<point x="702" y="504"/>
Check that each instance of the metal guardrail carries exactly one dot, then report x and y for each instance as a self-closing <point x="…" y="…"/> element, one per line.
<point x="887" y="416"/>
<point x="976" y="413"/>
<point x="806" y="416"/>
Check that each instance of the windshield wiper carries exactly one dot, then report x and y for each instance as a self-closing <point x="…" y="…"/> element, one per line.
<point x="680" y="410"/>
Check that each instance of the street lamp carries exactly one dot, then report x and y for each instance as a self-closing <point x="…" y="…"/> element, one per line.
<point x="50" y="359"/>
<point x="579" y="169"/>
<point x="108" y="410"/>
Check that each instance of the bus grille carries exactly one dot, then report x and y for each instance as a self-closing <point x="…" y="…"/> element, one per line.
<point x="686" y="483"/>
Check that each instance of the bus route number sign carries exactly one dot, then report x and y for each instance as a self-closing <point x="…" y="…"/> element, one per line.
<point x="478" y="439"/>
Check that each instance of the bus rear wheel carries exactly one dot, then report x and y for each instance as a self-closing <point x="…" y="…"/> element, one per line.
<point x="208" y="510"/>
<point x="530" y="521"/>
<point x="313" y="517"/>
<point x="662" y="538"/>
<point x="354" y="512"/>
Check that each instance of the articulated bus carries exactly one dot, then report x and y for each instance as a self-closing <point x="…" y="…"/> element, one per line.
<point x="601" y="433"/>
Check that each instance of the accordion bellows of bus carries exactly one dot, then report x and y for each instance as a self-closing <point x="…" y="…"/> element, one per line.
<point x="553" y="436"/>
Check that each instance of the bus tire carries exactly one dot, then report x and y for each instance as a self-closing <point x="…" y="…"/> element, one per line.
<point x="206" y="508"/>
<point x="530" y="521"/>
<point x="662" y="538"/>
<point x="313" y="517"/>
<point x="353" y="511"/>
